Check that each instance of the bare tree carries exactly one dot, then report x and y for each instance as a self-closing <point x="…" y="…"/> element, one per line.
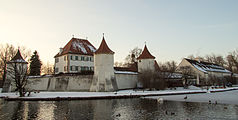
<point x="233" y="57"/>
<point x="17" y="74"/>
<point x="133" y="54"/>
<point x="7" y="52"/>
<point x="230" y="64"/>
<point x="217" y="59"/>
<point x="169" y="66"/>
<point x="47" y="68"/>
<point x="186" y="72"/>
<point x="153" y="79"/>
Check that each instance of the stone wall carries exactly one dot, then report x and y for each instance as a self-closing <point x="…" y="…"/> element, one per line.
<point x="61" y="83"/>
<point x="75" y="82"/>
<point x="126" y="81"/>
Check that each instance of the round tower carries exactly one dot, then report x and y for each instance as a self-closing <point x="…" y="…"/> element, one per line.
<point x="104" y="78"/>
<point x="16" y="66"/>
<point x="146" y="61"/>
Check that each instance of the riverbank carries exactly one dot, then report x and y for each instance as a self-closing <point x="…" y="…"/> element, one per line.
<point x="225" y="97"/>
<point x="49" y="96"/>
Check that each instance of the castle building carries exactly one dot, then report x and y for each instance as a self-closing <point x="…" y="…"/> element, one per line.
<point x="104" y="77"/>
<point x="75" y="56"/>
<point x="146" y="61"/>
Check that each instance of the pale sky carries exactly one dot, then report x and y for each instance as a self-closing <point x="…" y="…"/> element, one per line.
<point x="172" y="29"/>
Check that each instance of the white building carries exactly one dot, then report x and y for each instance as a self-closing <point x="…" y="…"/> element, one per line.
<point x="76" y="56"/>
<point x="204" y="71"/>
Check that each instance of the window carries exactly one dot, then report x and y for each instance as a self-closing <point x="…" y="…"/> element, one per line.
<point x="91" y="59"/>
<point x="56" y="69"/>
<point x="71" y="57"/>
<point x="76" y="68"/>
<point x="82" y="68"/>
<point x="76" y="57"/>
<point x="82" y="58"/>
<point x="71" y="68"/>
<point x="87" y="68"/>
<point x="65" y="58"/>
<point x="87" y="58"/>
<point x="56" y="60"/>
<point x="91" y="68"/>
<point x="65" y="68"/>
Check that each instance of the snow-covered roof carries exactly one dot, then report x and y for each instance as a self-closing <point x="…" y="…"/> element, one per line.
<point x="132" y="69"/>
<point x="175" y="75"/>
<point x="125" y="72"/>
<point x="207" y="67"/>
<point x="77" y="46"/>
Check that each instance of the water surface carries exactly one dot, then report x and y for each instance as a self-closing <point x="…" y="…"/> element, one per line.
<point x="132" y="109"/>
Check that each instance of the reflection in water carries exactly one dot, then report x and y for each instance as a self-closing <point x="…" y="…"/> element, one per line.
<point x="114" y="109"/>
<point x="45" y="110"/>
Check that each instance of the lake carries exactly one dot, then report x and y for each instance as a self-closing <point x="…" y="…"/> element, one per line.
<point x="132" y="109"/>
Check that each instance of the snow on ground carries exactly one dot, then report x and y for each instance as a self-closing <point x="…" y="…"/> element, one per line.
<point x="228" y="97"/>
<point x="221" y="97"/>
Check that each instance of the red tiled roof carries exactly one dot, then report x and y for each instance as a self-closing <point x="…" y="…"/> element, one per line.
<point x="146" y="54"/>
<point x="131" y="67"/>
<point x="103" y="48"/>
<point x="18" y="58"/>
<point x="78" y="46"/>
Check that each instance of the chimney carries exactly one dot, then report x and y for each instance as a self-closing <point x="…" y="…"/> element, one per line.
<point x="199" y="59"/>
<point x="61" y="50"/>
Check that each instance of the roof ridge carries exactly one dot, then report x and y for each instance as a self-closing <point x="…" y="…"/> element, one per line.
<point x="78" y="46"/>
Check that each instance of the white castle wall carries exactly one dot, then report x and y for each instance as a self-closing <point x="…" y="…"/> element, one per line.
<point x="76" y="83"/>
<point x="146" y="64"/>
<point x="126" y="81"/>
<point x="61" y="83"/>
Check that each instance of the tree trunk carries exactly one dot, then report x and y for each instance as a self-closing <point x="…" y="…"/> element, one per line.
<point x="21" y="92"/>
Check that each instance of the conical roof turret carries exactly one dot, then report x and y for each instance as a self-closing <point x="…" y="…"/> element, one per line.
<point x="18" y="58"/>
<point x="146" y="54"/>
<point x="103" y="48"/>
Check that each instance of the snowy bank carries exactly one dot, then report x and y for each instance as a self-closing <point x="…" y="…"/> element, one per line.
<point x="104" y="95"/>
<point x="227" y="96"/>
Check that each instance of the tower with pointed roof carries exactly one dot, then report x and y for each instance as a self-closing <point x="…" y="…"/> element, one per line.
<point x="16" y="63"/>
<point x="146" y="61"/>
<point x="104" y="77"/>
